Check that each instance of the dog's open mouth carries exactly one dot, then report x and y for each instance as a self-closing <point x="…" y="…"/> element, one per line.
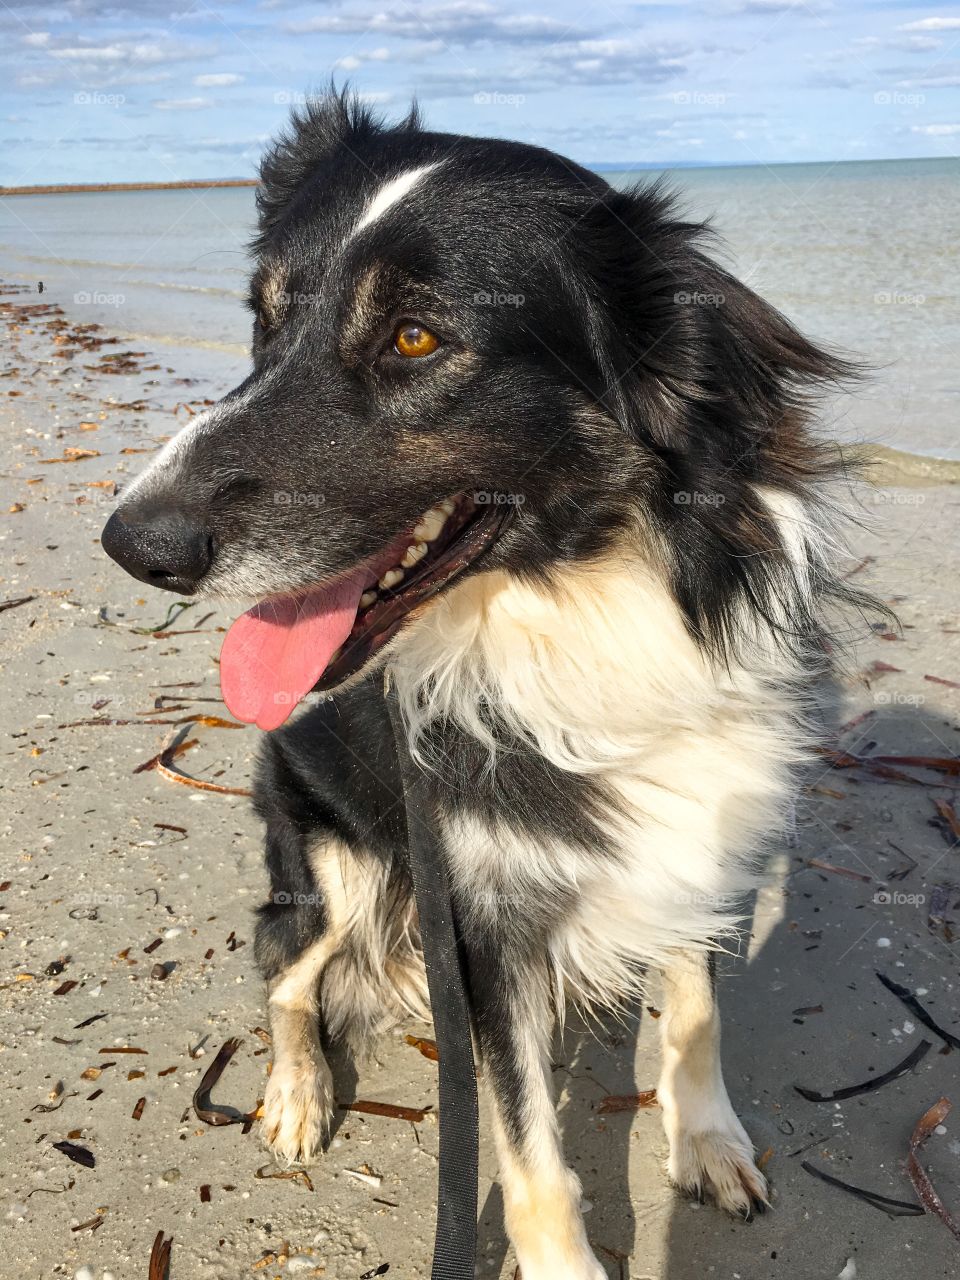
<point x="283" y="648"/>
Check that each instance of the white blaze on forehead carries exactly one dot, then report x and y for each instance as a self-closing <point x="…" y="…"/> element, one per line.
<point x="390" y="193"/>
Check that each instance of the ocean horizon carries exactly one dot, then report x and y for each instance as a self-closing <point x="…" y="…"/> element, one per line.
<point x="861" y="255"/>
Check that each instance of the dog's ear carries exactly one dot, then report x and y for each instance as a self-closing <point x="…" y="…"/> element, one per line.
<point x="691" y="353"/>
<point x="335" y="119"/>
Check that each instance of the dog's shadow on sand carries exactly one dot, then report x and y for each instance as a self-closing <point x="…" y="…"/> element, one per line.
<point x="801" y="1005"/>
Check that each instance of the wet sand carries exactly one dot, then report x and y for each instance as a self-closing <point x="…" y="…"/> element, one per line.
<point x="126" y="922"/>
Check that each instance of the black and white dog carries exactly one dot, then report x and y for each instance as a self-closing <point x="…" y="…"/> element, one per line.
<point x="510" y="434"/>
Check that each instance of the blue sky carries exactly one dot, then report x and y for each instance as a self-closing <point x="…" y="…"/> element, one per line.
<point x="155" y="90"/>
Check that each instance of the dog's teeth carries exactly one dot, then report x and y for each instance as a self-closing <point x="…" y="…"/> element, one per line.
<point x="414" y="554"/>
<point x="447" y="506"/>
<point x="430" y="525"/>
<point x="391" y="578"/>
<point x="367" y="599"/>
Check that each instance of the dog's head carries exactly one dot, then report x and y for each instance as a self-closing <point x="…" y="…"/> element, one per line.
<point x="467" y="354"/>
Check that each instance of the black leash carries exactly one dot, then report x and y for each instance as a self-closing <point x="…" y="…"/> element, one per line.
<point x="454" y="1254"/>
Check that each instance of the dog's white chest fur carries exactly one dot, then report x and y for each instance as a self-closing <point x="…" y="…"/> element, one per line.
<point x="603" y="678"/>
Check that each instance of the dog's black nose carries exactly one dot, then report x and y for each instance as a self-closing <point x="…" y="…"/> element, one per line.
<point x="170" y="551"/>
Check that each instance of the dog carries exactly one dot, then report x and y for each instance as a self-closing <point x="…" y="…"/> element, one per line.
<point x="513" y="437"/>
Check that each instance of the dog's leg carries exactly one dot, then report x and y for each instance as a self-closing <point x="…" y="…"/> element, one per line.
<point x="709" y="1148"/>
<point x="340" y="958"/>
<point x="297" y="936"/>
<point x="514" y="1013"/>
<point x="298" y="1102"/>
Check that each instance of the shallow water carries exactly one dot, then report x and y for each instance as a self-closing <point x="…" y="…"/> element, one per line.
<point x="863" y="256"/>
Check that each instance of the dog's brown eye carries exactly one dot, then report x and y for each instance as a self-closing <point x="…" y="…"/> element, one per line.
<point x="263" y="320"/>
<point x="415" y="340"/>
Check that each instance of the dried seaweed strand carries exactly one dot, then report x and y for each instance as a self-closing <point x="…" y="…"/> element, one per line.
<point x="919" y="1012"/>
<point x="414" y="1114"/>
<point x="918" y="1175"/>
<point x="628" y="1102"/>
<point x="167" y="754"/>
<point x="427" y="1047"/>
<point x="285" y="1175"/>
<point x="868" y="1086"/>
<point x="16" y="603"/>
<point x="819" y="865"/>
<point x="892" y="1208"/>
<point x="160" y="1257"/>
<point x="163" y="766"/>
<point x="949" y="815"/>
<point x="202" y="1105"/>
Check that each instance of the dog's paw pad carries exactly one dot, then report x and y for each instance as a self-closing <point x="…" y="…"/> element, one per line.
<point x="721" y="1165"/>
<point x="297" y="1111"/>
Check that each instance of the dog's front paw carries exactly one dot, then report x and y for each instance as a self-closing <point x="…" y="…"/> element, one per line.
<point x="545" y="1225"/>
<point x="551" y="1264"/>
<point x="298" y="1110"/>
<point x="719" y="1161"/>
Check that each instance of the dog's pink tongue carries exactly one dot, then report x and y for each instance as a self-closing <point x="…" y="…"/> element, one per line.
<point x="273" y="655"/>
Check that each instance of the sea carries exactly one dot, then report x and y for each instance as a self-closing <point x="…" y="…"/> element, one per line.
<point x="863" y="256"/>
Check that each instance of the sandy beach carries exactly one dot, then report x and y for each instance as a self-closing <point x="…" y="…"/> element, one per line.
<point x="126" y="902"/>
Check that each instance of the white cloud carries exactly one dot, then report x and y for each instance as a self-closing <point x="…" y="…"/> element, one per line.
<point x="936" y="130"/>
<point x="919" y="44"/>
<point x="933" y="24"/>
<point x="37" y="39"/>
<point x="614" y="61"/>
<point x="459" y="21"/>
<point x="219" y="81"/>
<point x="777" y="6"/>
<point x="89" y="53"/>
<point x="182" y="104"/>
<point x="354" y="60"/>
<point x="140" y="53"/>
<point x="930" y="82"/>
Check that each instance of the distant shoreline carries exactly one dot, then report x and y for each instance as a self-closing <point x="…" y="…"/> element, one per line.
<point x="609" y="166"/>
<point x="70" y="188"/>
